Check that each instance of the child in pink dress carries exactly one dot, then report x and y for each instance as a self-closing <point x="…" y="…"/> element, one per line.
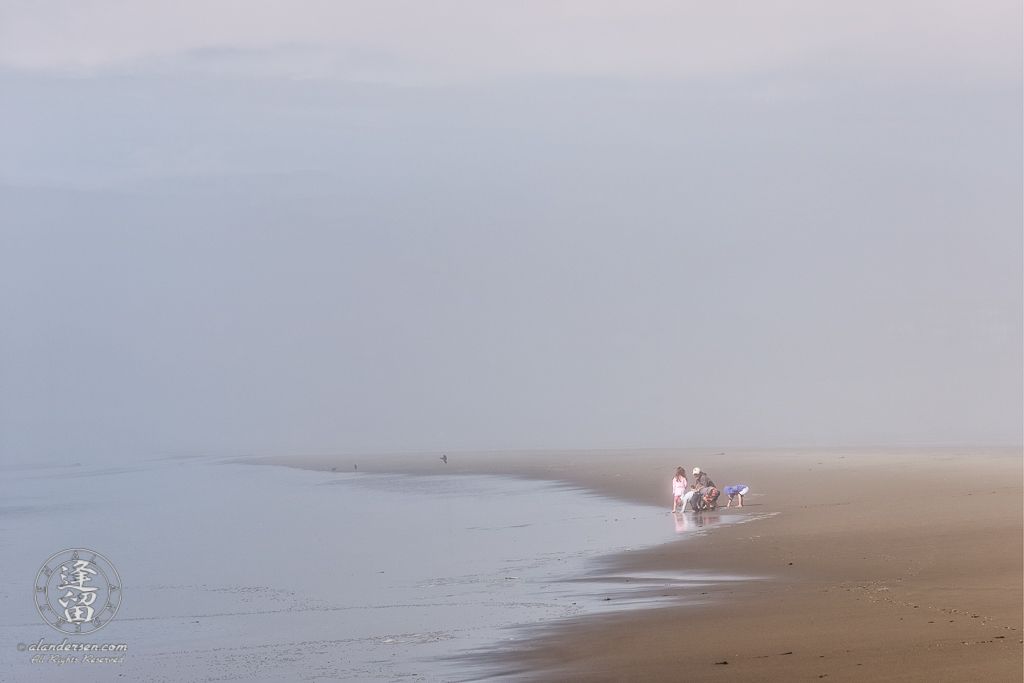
<point x="678" y="488"/>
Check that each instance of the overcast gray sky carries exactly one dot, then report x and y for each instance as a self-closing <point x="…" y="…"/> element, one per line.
<point x="262" y="227"/>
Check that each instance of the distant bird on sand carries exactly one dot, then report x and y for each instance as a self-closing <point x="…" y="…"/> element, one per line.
<point x="355" y="467"/>
<point x="445" y="458"/>
<point x="334" y="469"/>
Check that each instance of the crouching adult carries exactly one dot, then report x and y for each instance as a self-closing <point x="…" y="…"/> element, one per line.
<point x="707" y="494"/>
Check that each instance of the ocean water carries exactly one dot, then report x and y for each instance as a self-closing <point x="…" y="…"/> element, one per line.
<point x="241" y="572"/>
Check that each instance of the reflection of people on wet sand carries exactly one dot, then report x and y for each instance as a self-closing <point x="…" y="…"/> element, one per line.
<point x="678" y="487"/>
<point x="707" y="495"/>
<point x="685" y="523"/>
<point x="735" y="492"/>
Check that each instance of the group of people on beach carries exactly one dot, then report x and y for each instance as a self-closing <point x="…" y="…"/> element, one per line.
<point x="702" y="494"/>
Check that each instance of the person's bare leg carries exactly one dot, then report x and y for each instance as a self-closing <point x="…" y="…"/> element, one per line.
<point x="740" y="504"/>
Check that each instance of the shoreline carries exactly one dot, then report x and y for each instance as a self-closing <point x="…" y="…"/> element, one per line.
<point x="880" y="564"/>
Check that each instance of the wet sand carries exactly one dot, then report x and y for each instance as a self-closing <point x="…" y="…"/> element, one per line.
<point x="879" y="565"/>
<point x="237" y="572"/>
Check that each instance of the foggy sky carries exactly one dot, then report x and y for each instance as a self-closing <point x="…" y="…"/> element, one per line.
<point x="238" y="228"/>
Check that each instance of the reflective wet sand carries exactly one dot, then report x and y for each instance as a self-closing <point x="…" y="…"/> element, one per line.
<point x="236" y="571"/>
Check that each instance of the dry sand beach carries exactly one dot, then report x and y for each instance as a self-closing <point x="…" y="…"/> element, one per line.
<point x="880" y="565"/>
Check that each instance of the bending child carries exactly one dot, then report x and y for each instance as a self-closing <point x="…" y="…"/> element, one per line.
<point x="735" y="491"/>
<point x="688" y="498"/>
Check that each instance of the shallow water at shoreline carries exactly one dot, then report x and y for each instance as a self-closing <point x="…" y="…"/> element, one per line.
<point x="271" y="573"/>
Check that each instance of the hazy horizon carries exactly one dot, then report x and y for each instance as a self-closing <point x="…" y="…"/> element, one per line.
<point x="319" y="227"/>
